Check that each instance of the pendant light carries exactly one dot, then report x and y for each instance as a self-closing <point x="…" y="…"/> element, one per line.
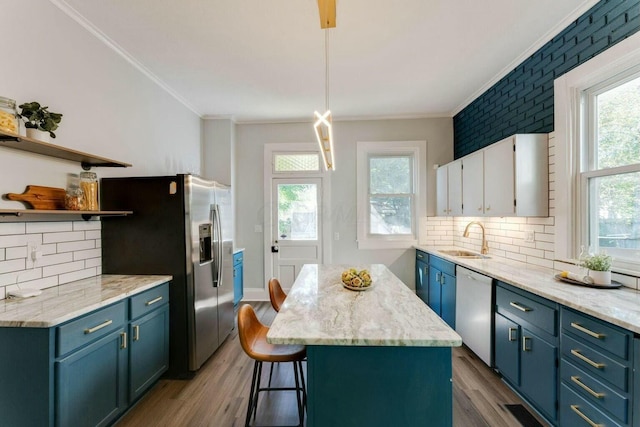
<point x="323" y="125"/>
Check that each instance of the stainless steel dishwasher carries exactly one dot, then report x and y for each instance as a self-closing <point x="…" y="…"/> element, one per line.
<point x="474" y="297"/>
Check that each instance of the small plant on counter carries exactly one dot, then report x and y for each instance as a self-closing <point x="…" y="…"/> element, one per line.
<point x="599" y="262"/>
<point x="37" y="117"/>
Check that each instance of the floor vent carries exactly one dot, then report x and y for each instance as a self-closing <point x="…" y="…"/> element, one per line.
<point x="523" y="416"/>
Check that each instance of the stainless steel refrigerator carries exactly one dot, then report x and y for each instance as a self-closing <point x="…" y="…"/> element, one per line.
<point x="181" y="225"/>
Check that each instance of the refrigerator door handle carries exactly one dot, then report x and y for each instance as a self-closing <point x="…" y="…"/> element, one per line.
<point x="215" y="267"/>
<point x="217" y="246"/>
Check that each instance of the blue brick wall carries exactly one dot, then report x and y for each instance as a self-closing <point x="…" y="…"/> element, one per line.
<point x="522" y="101"/>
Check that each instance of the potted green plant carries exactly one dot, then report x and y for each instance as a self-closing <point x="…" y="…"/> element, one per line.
<point x="39" y="119"/>
<point x="599" y="267"/>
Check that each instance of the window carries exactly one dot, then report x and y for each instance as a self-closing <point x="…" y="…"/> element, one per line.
<point x="296" y="162"/>
<point x="597" y="157"/>
<point x="610" y="168"/>
<point x="391" y="193"/>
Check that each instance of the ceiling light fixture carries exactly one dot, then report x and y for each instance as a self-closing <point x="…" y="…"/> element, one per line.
<point x="323" y="125"/>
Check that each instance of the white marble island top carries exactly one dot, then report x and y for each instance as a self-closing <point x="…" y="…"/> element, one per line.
<point x="320" y="311"/>
<point x="618" y="306"/>
<point x="64" y="302"/>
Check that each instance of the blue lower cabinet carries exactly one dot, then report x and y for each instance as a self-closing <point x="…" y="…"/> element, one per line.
<point x="422" y="280"/>
<point x="636" y="382"/>
<point x="87" y="371"/>
<point x="91" y="383"/>
<point x="238" y="277"/>
<point x="539" y="372"/>
<point x="507" y="349"/>
<point x="442" y="289"/>
<point x="148" y="351"/>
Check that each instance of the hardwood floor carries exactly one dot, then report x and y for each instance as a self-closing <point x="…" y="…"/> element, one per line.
<point x="218" y="395"/>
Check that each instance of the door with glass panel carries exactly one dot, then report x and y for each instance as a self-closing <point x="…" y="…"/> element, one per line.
<point x="296" y="226"/>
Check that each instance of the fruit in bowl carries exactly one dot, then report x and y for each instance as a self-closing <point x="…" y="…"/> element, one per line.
<point x="356" y="279"/>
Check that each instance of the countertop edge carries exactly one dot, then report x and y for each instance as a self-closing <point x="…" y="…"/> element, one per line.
<point x="150" y="281"/>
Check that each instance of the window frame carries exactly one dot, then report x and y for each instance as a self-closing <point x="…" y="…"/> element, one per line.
<point x="575" y="130"/>
<point x="417" y="151"/>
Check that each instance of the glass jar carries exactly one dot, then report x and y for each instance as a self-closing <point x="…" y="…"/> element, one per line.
<point x="89" y="187"/>
<point x="74" y="199"/>
<point x="8" y="115"/>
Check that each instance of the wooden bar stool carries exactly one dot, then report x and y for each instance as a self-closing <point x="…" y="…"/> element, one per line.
<point x="253" y="339"/>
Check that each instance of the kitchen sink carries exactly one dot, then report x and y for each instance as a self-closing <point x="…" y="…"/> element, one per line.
<point x="463" y="254"/>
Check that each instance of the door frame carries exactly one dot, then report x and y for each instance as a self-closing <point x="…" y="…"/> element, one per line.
<point x="325" y="214"/>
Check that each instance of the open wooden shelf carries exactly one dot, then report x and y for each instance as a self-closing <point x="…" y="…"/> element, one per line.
<point x="19" y="142"/>
<point x="22" y="215"/>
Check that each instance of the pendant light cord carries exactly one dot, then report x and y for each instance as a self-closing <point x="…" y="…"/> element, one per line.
<point x="326" y="69"/>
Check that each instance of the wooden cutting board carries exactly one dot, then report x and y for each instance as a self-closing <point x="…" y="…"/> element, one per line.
<point x="37" y="197"/>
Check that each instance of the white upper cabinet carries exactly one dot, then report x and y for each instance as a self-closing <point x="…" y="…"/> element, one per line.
<point x="499" y="176"/>
<point x="473" y="184"/>
<point x="449" y="189"/>
<point x="508" y="178"/>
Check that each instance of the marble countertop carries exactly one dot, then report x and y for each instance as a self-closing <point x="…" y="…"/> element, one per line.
<point x="619" y="306"/>
<point x="320" y="311"/>
<point x="64" y="302"/>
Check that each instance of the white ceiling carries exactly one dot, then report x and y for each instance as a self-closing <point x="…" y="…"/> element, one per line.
<point x="263" y="60"/>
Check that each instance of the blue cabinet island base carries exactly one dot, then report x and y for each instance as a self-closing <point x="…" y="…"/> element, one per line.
<point x="379" y="386"/>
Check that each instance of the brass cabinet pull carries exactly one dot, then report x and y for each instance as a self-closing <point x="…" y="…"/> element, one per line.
<point x="153" y="301"/>
<point x="579" y="355"/>
<point x="587" y="331"/>
<point x="97" y="328"/>
<point x="524" y="343"/>
<point x="136" y="332"/>
<point x="586" y="388"/>
<point x="511" y="331"/>
<point x="123" y="340"/>
<point x="575" y="409"/>
<point x="520" y="307"/>
<point x="420" y="256"/>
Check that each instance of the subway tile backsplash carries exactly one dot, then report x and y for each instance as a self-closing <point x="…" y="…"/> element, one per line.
<point x="67" y="251"/>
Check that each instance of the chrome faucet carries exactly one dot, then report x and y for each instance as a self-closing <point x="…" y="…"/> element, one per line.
<point x="485" y="246"/>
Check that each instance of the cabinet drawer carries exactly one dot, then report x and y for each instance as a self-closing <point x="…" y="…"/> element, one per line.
<point x="443" y="265"/>
<point x="595" y="392"/>
<point x="422" y="256"/>
<point x="528" y="309"/>
<point x="90" y="327"/>
<point x="147" y="301"/>
<point x="576" y="411"/>
<point x="595" y="362"/>
<point x="597" y="333"/>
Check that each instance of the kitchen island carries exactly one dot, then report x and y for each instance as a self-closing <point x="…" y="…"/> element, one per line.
<point x="377" y="357"/>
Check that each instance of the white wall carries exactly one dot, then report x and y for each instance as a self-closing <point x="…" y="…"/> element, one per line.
<point x="110" y="109"/>
<point x="250" y="140"/>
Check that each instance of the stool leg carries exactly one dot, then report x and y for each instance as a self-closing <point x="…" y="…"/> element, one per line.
<point x="270" y="374"/>
<point x="255" y="403"/>
<point x="300" y="407"/>
<point x="304" y="386"/>
<point x="253" y="388"/>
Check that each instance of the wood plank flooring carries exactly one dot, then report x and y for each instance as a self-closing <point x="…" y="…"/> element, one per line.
<point x="218" y="395"/>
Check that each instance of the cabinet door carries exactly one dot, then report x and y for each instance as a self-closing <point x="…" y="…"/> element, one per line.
<point x="149" y="350"/>
<point x="434" y="290"/>
<point x="422" y="281"/>
<point x="442" y="191"/>
<point x="507" y="349"/>
<point x="473" y="184"/>
<point x="636" y="383"/>
<point x="238" y="283"/>
<point x="499" y="179"/>
<point x="538" y="372"/>
<point x="454" y="178"/>
<point x="448" y="299"/>
<point x="90" y="383"/>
